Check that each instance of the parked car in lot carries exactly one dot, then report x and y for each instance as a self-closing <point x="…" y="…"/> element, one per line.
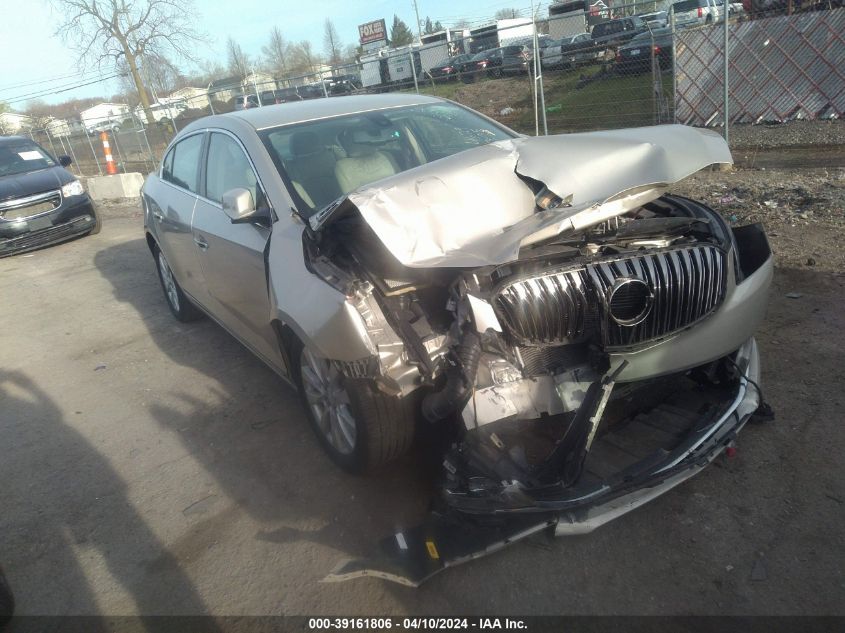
<point x="570" y="52"/>
<point x="311" y="91"/>
<point x="689" y="13"/>
<point x="244" y="102"/>
<point x="636" y="55"/>
<point x="285" y="95"/>
<point x="343" y="84"/>
<point x="105" y="126"/>
<point x="268" y="97"/>
<point x="497" y="62"/>
<point x="41" y="202"/>
<point x="656" y="19"/>
<point x="449" y="68"/>
<point x="613" y="33"/>
<point x="581" y="340"/>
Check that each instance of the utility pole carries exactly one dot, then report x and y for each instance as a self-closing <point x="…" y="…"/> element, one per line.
<point x="419" y="28"/>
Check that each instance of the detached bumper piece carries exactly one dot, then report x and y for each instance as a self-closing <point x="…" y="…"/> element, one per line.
<point x="497" y="491"/>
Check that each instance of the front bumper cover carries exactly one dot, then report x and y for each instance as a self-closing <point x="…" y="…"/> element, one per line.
<point x="468" y="530"/>
<point x="70" y="219"/>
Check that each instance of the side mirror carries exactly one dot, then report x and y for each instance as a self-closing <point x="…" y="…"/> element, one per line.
<point x="238" y="204"/>
<point x="65" y="161"/>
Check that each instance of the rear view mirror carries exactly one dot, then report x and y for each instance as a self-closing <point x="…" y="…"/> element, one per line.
<point x="238" y="204"/>
<point x="65" y="161"/>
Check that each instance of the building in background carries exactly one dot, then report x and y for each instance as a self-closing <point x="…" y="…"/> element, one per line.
<point x="104" y="113"/>
<point x="193" y="98"/>
<point x="13" y="123"/>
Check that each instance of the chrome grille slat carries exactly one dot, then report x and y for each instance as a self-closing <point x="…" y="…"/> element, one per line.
<point x="560" y="306"/>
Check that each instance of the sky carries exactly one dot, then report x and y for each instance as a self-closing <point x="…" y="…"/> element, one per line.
<point x="33" y="60"/>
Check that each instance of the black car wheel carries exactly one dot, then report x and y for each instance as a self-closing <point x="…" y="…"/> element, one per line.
<point x="179" y="304"/>
<point x="360" y="427"/>
<point x="98" y="222"/>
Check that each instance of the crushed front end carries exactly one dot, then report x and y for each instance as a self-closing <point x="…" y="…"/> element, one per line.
<point x="609" y="359"/>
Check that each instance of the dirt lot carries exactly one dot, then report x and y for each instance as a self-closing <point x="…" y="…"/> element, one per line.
<point x="152" y="467"/>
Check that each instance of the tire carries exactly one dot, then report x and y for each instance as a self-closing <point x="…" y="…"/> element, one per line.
<point x="98" y="222"/>
<point x="7" y="601"/>
<point x="181" y="307"/>
<point x="383" y="425"/>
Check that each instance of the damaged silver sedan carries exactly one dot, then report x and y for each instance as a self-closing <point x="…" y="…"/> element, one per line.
<point x="580" y="338"/>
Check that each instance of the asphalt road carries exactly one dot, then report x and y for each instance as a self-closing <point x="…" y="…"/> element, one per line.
<point x="150" y="467"/>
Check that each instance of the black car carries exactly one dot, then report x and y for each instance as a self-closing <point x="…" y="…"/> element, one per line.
<point x="635" y="56"/>
<point x="449" y="68"/>
<point x="614" y="33"/>
<point x="497" y="62"/>
<point x="41" y="202"/>
<point x="311" y="91"/>
<point x="344" y="84"/>
<point x="286" y="95"/>
<point x="268" y="97"/>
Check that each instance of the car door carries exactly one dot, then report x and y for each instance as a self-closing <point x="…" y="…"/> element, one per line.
<point x="232" y="255"/>
<point x="174" y="215"/>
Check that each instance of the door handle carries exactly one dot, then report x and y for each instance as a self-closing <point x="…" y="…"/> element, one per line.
<point x="200" y="241"/>
<point x="158" y="216"/>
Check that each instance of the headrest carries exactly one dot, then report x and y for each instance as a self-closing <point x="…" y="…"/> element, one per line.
<point x="302" y="143"/>
<point x="366" y="139"/>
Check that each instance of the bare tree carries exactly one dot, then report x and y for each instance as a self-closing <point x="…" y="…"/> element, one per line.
<point x="302" y="57"/>
<point x="504" y="14"/>
<point x="238" y="61"/>
<point x="103" y="30"/>
<point x="276" y="53"/>
<point x="332" y="44"/>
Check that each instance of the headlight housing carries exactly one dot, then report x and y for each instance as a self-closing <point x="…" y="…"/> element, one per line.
<point x="73" y="188"/>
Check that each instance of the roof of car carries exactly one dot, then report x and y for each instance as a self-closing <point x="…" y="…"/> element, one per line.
<point x="6" y="140"/>
<point x="287" y="113"/>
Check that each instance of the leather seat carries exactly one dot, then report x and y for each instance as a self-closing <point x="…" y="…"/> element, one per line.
<point x="363" y="164"/>
<point x="312" y="169"/>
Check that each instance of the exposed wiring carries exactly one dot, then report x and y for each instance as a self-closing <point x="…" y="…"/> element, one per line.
<point x="747" y="379"/>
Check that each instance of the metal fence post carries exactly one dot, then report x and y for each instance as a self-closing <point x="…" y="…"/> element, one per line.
<point x="413" y="69"/>
<point x="674" y="67"/>
<point x="93" y="153"/>
<point x="725" y="79"/>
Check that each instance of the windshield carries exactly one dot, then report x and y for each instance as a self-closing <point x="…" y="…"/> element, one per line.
<point x="323" y="160"/>
<point x="19" y="158"/>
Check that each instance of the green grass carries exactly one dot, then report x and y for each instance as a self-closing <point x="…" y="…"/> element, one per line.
<point x="607" y="102"/>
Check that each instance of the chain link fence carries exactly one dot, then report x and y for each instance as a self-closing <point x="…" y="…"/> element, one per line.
<point x="585" y="66"/>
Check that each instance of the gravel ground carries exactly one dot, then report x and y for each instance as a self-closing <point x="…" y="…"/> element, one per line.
<point x="803" y="211"/>
<point x="794" y="133"/>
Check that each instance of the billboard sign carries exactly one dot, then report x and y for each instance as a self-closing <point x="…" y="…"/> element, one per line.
<point x="374" y="31"/>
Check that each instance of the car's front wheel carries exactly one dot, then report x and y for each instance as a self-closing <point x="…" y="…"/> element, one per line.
<point x="360" y="427"/>
<point x="179" y="304"/>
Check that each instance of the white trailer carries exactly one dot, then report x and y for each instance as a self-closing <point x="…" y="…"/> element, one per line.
<point x="371" y="73"/>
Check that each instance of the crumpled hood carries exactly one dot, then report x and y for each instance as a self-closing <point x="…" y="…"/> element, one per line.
<point x="473" y="209"/>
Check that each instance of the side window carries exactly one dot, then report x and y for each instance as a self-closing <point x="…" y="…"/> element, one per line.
<point x="167" y="166"/>
<point x="185" y="163"/>
<point x="228" y="168"/>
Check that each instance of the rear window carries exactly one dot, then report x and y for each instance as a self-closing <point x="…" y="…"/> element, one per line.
<point x="607" y="28"/>
<point x="688" y="5"/>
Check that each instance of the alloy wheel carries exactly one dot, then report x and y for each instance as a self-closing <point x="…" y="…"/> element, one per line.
<point x="329" y="401"/>
<point x="168" y="282"/>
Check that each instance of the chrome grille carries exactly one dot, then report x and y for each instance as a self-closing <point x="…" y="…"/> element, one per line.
<point x="30" y="206"/>
<point x="547" y="309"/>
<point x="686" y="284"/>
<point x="563" y="306"/>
